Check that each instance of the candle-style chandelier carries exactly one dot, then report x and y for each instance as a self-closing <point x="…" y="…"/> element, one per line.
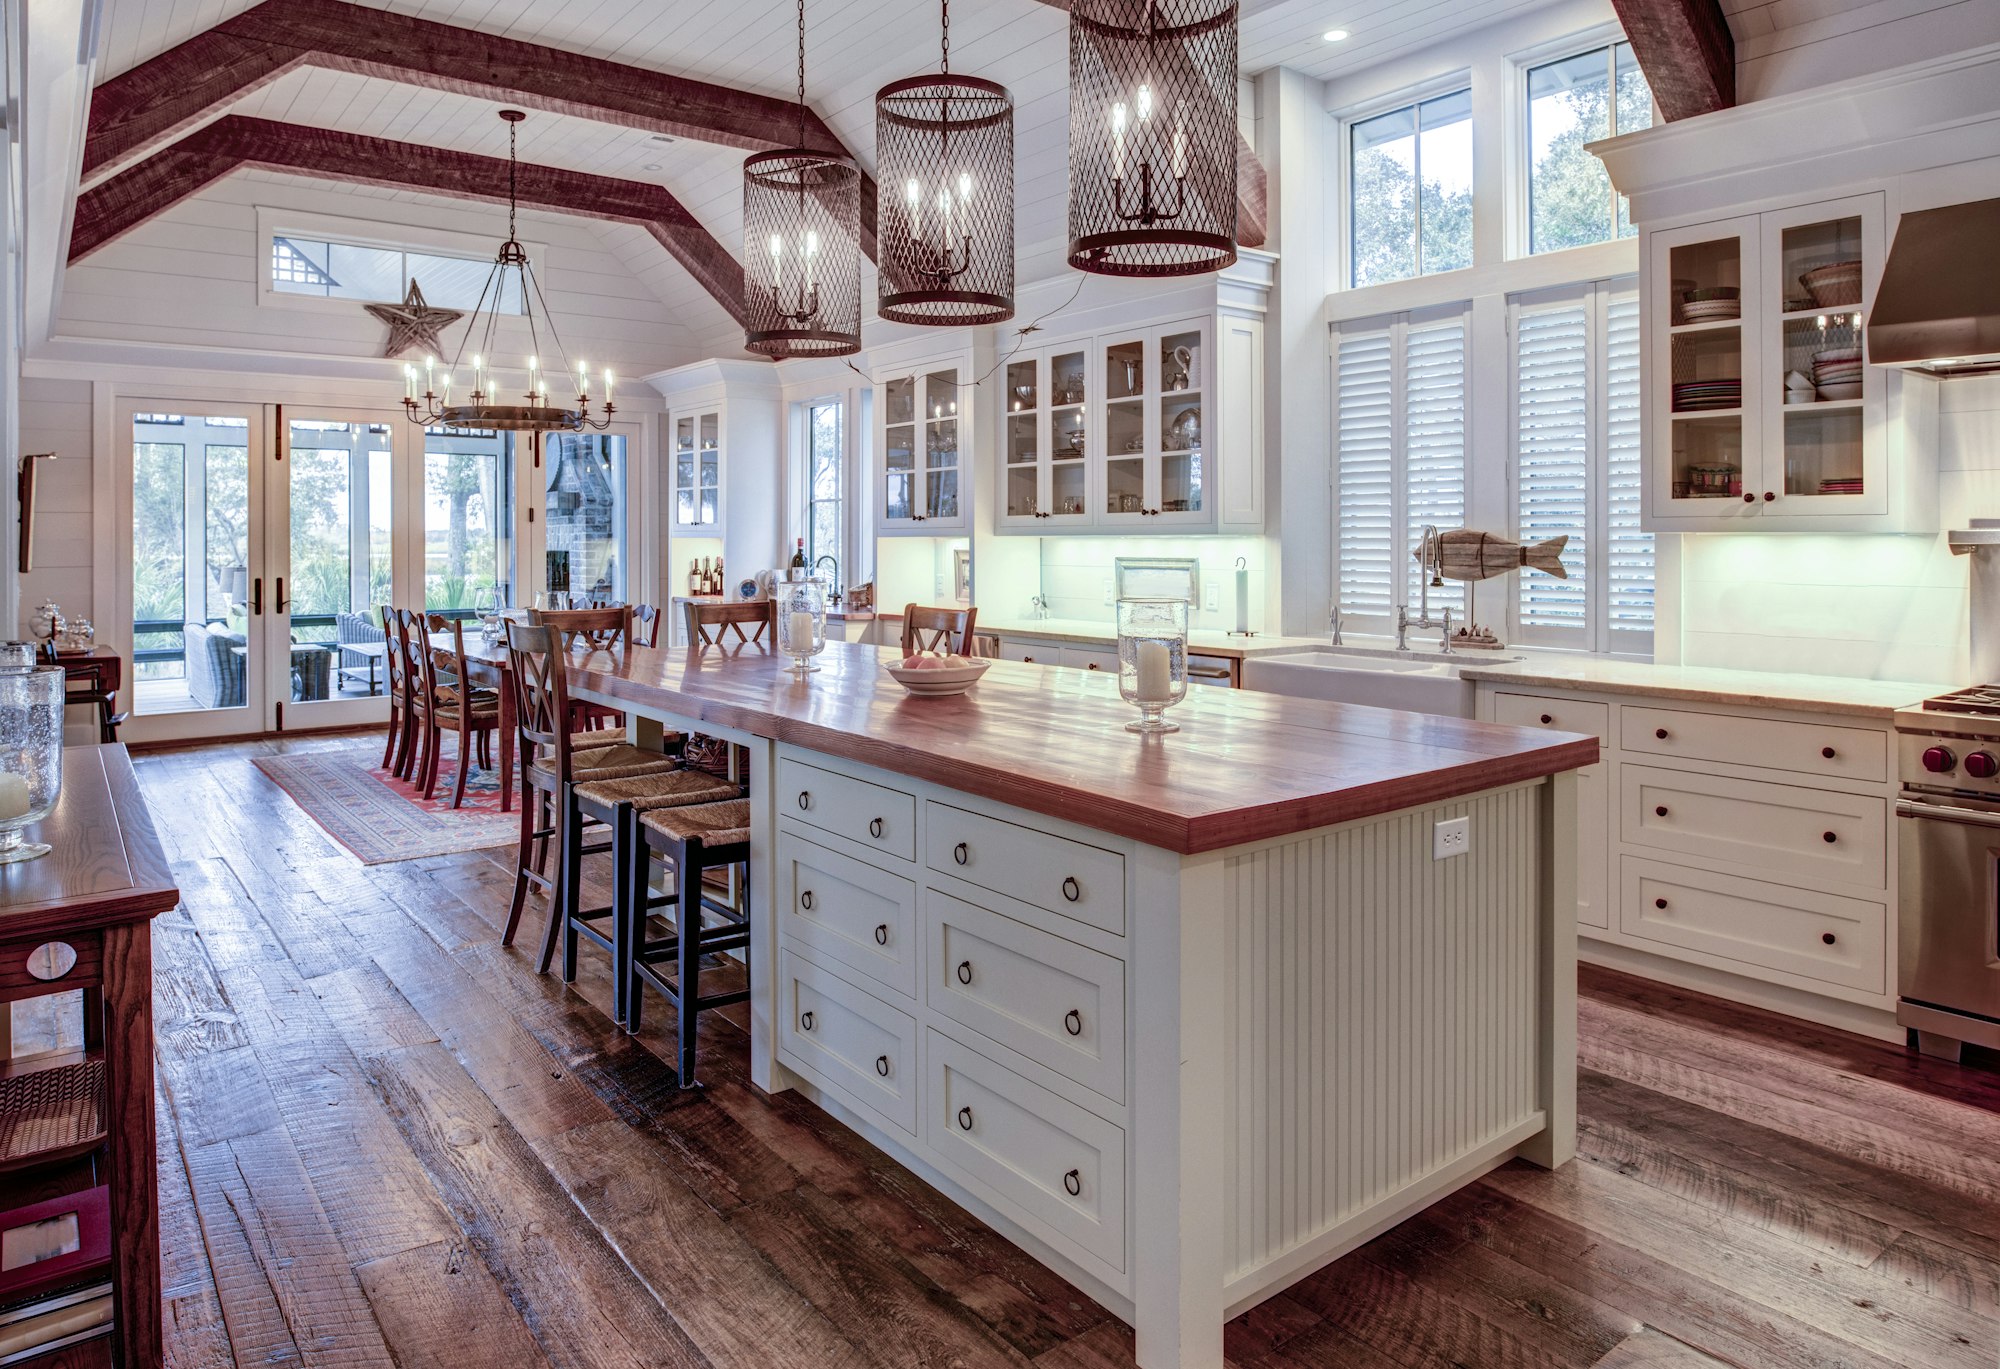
<point x="478" y="387"/>
<point x="944" y="149"/>
<point x="1152" y="136"/>
<point x="802" y="246"/>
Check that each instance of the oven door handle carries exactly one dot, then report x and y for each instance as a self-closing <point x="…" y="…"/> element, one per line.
<point x="1971" y="817"/>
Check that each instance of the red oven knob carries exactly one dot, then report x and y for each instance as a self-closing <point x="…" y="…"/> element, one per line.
<point x="1981" y="765"/>
<point x="1939" y="760"/>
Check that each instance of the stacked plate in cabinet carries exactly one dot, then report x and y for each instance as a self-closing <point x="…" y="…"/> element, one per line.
<point x="1693" y="395"/>
<point x="1837" y="373"/>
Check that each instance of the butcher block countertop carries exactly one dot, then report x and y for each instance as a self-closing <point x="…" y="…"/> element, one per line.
<point x="1244" y="767"/>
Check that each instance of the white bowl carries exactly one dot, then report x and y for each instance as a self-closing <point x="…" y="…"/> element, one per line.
<point x="934" y="684"/>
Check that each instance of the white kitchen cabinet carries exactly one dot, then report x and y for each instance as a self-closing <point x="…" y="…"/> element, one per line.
<point x="1044" y="445"/>
<point x="1767" y="419"/>
<point x="1560" y="713"/>
<point x="923" y="426"/>
<point x="696" y="468"/>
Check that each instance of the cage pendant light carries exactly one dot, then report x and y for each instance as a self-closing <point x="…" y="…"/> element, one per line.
<point x="1152" y="136"/>
<point x="802" y="246"/>
<point x="944" y="148"/>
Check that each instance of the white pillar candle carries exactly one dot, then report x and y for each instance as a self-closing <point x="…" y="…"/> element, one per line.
<point x="13" y="795"/>
<point x="1155" y="669"/>
<point x="801" y="630"/>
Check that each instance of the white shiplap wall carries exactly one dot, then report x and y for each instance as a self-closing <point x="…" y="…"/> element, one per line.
<point x="56" y="417"/>
<point x="1789" y="45"/>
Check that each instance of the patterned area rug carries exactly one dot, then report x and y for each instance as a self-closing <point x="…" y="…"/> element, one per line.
<point x="380" y="818"/>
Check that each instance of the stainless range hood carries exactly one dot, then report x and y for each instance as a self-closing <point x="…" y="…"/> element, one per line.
<point x="1938" y="306"/>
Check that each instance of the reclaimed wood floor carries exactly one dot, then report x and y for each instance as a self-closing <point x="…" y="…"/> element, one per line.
<point x="385" y="1140"/>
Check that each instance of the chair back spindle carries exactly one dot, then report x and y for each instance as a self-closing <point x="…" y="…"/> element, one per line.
<point x="595" y="629"/>
<point x="938" y="629"/>
<point x="538" y="665"/>
<point x="710" y="624"/>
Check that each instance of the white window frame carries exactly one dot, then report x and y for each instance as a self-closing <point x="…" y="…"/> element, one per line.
<point x="284" y="223"/>
<point x="1450" y="83"/>
<point x="1596" y="635"/>
<point x="844" y="463"/>
<point x="1520" y="162"/>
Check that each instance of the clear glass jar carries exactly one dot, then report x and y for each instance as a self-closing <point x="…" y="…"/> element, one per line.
<point x="1152" y="659"/>
<point x="801" y="622"/>
<point x="31" y="754"/>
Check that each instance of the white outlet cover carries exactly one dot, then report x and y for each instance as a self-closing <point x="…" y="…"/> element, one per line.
<point x="1452" y="837"/>
<point x="1211" y="597"/>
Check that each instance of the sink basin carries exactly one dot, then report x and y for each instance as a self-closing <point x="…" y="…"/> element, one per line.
<point x="1413" y="682"/>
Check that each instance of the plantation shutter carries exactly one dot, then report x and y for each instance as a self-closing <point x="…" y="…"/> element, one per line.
<point x="1629" y="552"/>
<point x="1434" y="409"/>
<point x="1365" y="492"/>
<point x="1552" y="449"/>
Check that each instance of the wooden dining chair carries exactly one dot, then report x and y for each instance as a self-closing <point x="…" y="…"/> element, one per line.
<point x="938" y="629"/>
<point x="450" y="702"/>
<point x="410" y="639"/>
<point x="646" y="625"/>
<point x="402" y="720"/>
<point x="712" y="624"/>
<point x="607" y="627"/>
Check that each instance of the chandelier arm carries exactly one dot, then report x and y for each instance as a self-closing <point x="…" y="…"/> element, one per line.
<point x="528" y="270"/>
<point x="484" y="290"/>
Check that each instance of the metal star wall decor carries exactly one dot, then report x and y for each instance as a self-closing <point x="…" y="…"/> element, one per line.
<point x="414" y="323"/>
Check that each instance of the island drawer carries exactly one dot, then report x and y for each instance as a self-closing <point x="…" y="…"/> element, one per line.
<point x="1058" y="1167"/>
<point x="872" y="814"/>
<point x="1052" y="1000"/>
<point x="1067" y="877"/>
<point x="1844" y="753"/>
<point x="848" y="1040"/>
<point x="1557" y="713"/>
<point x="848" y="911"/>
<point x="1816" y="936"/>
<point x="1779" y="829"/>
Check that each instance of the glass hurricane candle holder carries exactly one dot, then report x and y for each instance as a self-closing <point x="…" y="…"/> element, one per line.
<point x="31" y="754"/>
<point x="1152" y="659"/>
<point x="801" y="622"/>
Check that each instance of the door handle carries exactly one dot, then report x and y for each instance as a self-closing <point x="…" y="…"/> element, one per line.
<point x="257" y="595"/>
<point x="283" y="604"/>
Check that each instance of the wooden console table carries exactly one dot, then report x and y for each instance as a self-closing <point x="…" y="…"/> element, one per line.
<point x="96" y="892"/>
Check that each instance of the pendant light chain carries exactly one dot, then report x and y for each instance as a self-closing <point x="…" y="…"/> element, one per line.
<point x="513" y="196"/>
<point x="802" y="73"/>
<point x="944" y="67"/>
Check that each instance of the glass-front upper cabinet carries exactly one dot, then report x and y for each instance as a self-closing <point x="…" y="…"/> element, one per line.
<point x="1709" y="352"/>
<point x="1153" y="465"/>
<point x="1045" y="449"/>
<point x="697" y="469"/>
<point x="924" y="417"/>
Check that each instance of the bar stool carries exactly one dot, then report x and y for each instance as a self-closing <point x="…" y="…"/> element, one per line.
<point x="694" y="842"/>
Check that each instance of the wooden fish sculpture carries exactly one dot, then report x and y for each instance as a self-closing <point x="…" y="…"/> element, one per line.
<point x="1463" y="554"/>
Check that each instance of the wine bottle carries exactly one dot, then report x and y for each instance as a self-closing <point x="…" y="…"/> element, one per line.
<point x="799" y="558"/>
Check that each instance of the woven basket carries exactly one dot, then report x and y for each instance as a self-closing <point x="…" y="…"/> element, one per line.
<point x="44" y="1112"/>
<point x="1835" y="285"/>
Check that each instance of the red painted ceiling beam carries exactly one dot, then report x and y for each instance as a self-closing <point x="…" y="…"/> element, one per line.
<point x="108" y="211"/>
<point x="1686" y="50"/>
<point x="147" y="107"/>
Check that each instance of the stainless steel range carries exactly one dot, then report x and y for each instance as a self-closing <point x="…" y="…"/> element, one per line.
<point x="1948" y="824"/>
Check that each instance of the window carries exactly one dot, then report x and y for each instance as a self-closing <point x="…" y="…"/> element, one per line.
<point x="586" y="514"/>
<point x="825" y="487"/>
<point x="1578" y="100"/>
<point x="345" y="270"/>
<point x="468" y="518"/>
<point x="1400" y="389"/>
<point x="1576" y="469"/>
<point x="1410" y="191"/>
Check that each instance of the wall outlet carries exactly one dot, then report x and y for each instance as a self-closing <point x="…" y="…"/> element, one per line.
<point x="1452" y="837"/>
<point x="1110" y="589"/>
<point x="1211" y="596"/>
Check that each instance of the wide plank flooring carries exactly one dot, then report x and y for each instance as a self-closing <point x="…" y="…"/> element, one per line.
<point x="385" y="1140"/>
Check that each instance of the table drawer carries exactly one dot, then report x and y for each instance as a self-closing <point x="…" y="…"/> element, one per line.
<point x="1052" y="1000"/>
<point x="1058" y="1167"/>
<point x="1814" y="935"/>
<point x="848" y="1039"/>
<point x="1780" y="829"/>
<point x="848" y="911"/>
<point x="1558" y="713"/>
<point x="22" y="969"/>
<point x="1845" y="753"/>
<point x="872" y="814"/>
<point x="1063" y="876"/>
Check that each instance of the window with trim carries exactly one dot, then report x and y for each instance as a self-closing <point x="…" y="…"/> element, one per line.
<point x="1409" y="187"/>
<point x="826" y="485"/>
<point x="1400" y="388"/>
<point x="1576" y="428"/>
<point x="1571" y="102"/>
<point x="361" y="271"/>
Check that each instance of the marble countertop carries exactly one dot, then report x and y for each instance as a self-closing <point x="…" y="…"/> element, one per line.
<point x="1085" y="632"/>
<point x="1710" y="684"/>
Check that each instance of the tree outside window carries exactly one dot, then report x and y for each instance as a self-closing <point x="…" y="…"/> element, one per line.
<point x="1410" y="191"/>
<point x="1578" y="100"/>
<point x="824" y="486"/>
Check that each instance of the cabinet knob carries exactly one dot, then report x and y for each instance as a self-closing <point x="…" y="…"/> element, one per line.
<point x="805" y="800"/>
<point x="1828" y="752"/>
<point x="881" y="934"/>
<point x="1660" y="903"/>
<point x="965" y="971"/>
<point x="1660" y="732"/>
<point x="1749" y="498"/>
<point x="1071" y="890"/>
<point x="805" y="1021"/>
<point x="1073" y="1184"/>
<point x="960" y="853"/>
<point x="1829" y="837"/>
<point x="882" y="1065"/>
<point x="965" y="1119"/>
<point x="1660" y="811"/>
<point x="1547" y="718"/>
<point x="1768" y="496"/>
<point x="1073" y="1022"/>
<point x="875" y="828"/>
<point x="1828" y="937"/>
<point x="806" y="900"/>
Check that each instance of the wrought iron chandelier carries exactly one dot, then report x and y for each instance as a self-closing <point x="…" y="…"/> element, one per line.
<point x="802" y="246"/>
<point x="944" y="148"/>
<point x="433" y="407"/>
<point x="1152" y="136"/>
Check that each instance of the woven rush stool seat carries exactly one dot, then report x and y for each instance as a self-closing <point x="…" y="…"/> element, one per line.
<point x="656" y="789"/>
<point x="713" y="824"/>
<point x="618" y="761"/>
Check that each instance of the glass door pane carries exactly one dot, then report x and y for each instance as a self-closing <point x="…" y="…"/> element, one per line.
<point x="709" y="473"/>
<point x="684" y="472"/>
<point x="1069" y="443"/>
<point x="1821" y="372"/>
<point x="468" y="519"/>
<point x="338" y="506"/>
<point x="940" y="494"/>
<point x="1023" y="454"/>
<point x="1125" y="428"/>
<point x="194" y="573"/>
<point x="1180" y="413"/>
<point x="1706" y="362"/>
<point x="899" y="449"/>
<point x="586" y="541"/>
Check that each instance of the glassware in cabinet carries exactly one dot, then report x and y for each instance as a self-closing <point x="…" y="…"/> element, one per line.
<point x="1180" y="425"/>
<point x="684" y="472"/>
<point x="1125" y="445"/>
<point x="941" y="454"/>
<point x="1022" y="447"/>
<point x="1069" y="439"/>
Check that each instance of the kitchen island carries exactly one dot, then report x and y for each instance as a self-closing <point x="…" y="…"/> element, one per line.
<point x="1186" y="1018"/>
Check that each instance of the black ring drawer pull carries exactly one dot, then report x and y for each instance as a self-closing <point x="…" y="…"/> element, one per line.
<point x="1661" y="811"/>
<point x="1828" y="752"/>
<point x="805" y="800"/>
<point x="806" y="900"/>
<point x="875" y="828"/>
<point x="1073" y="1182"/>
<point x="1071" y="889"/>
<point x="965" y="971"/>
<point x="806" y="1021"/>
<point x="1829" y="837"/>
<point x="882" y="1065"/>
<point x="965" y="1119"/>
<point x="1660" y="903"/>
<point x="1073" y="1022"/>
<point x="960" y="853"/>
<point x="881" y="934"/>
<point x="1660" y="732"/>
<point x="1547" y="718"/>
<point x="1828" y="937"/>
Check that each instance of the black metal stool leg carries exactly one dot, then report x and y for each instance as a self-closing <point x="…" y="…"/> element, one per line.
<point x="687" y="1012"/>
<point x="626" y="895"/>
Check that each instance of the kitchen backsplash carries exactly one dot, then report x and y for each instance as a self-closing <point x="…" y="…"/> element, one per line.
<point x="1077" y="574"/>
<point x="1874" y="607"/>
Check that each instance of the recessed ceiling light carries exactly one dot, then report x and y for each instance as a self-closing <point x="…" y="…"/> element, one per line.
<point x="651" y="166"/>
<point x="1335" y="35"/>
